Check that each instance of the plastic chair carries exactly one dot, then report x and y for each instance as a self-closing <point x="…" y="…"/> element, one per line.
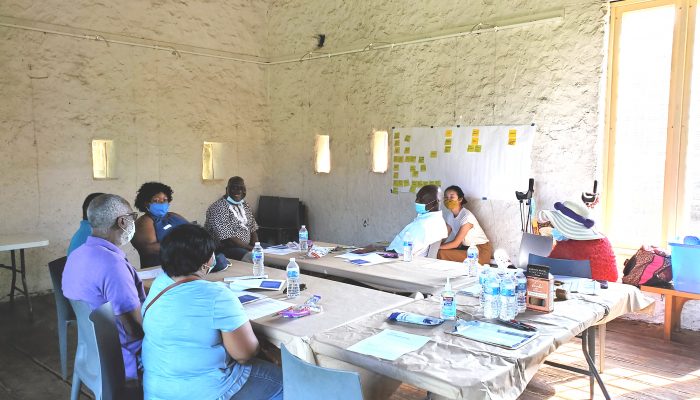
<point x="98" y="359"/>
<point x="533" y="244"/>
<point x="557" y="266"/>
<point x="433" y="249"/>
<point x="64" y="312"/>
<point x="304" y="381"/>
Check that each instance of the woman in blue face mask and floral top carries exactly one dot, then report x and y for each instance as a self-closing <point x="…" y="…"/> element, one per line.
<point x="154" y="198"/>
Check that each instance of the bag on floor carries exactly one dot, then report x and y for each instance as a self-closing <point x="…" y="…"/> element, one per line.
<point x="649" y="266"/>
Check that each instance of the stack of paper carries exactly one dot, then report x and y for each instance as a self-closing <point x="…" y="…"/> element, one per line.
<point x="389" y="344"/>
<point x="364" y="259"/>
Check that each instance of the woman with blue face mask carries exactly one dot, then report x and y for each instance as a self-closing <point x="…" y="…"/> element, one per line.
<point x="154" y="199"/>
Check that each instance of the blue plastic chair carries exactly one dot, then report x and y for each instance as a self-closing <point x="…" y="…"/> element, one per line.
<point x="98" y="359"/>
<point x="533" y="244"/>
<point x="557" y="266"/>
<point x="304" y="381"/>
<point x="64" y="312"/>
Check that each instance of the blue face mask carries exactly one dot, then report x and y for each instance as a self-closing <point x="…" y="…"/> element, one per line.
<point x="420" y="208"/>
<point x="234" y="202"/>
<point x="158" y="209"/>
<point x="558" y="236"/>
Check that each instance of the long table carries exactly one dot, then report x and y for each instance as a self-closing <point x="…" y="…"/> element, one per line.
<point x="20" y="242"/>
<point x="424" y="275"/>
<point x="458" y="368"/>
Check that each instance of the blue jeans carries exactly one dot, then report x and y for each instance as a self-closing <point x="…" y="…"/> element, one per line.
<point x="264" y="383"/>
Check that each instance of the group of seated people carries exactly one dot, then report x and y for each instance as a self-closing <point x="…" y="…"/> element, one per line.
<point x="191" y="338"/>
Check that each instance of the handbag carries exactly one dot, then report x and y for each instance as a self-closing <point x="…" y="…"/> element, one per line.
<point x="649" y="266"/>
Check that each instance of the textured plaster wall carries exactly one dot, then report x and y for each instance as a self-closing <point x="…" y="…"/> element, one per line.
<point x="550" y="73"/>
<point x="59" y="93"/>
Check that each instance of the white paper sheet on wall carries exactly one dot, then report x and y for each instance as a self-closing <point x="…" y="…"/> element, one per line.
<point x="490" y="161"/>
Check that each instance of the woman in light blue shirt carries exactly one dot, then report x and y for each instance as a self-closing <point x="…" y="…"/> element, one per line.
<point x="85" y="230"/>
<point x="198" y="341"/>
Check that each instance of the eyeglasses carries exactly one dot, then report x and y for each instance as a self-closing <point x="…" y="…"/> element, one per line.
<point x="133" y="215"/>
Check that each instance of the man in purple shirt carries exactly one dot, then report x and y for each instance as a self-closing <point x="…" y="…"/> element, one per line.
<point x="98" y="272"/>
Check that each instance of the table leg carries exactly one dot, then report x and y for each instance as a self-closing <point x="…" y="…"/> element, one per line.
<point x="24" y="282"/>
<point x="588" y="347"/>
<point x="14" y="278"/>
<point x="601" y="347"/>
<point x="669" y="318"/>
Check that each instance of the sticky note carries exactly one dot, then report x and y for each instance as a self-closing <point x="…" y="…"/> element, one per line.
<point x="396" y="176"/>
<point x="406" y="150"/>
<point x="405" y="182"/>
<point x="396" y="183"/>
<point x="396" y="167"/>
<point x="413" y="168"/>
<point x="398" y="158"/>
<point x="448" y="133"/>
<point x="407" y="138"/>
<point x="423" y="168"/>
<point x="448" y="149"/>
<point x="395" y="190"/>
<point x="396" y="134"/>
<point x="470" y="148"/>
<point x="410" y="158"/>
<point x="433" y="154"/>
<point x="413" y="189"/>
<point x="477" y="148"/>
<point x="511" y="137"/>
<point x="421" y="159"/>
<point x="397" y="150"/>
<point x="414" y="174"/>
<point x="475" y="136"/>
<point x="448" y="142"/>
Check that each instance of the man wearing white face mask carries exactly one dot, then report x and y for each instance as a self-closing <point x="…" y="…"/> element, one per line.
<point x="98" y="272"/>
<point x="428" y="227"/>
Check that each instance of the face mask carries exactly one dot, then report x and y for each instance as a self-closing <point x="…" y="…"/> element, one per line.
<point x="128" y="233"/>
<point x="452" y="203"/>
<point x="234" y="202"/>
<point x="158" y="209"/>
<point x="558" y="236"/>
<point x="420" y="208"/>
<point x="213" y="263"/>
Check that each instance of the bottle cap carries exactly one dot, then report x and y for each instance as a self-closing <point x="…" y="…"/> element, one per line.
<point x="448" y="286"/>
<point x="303" y="226"/>
<point x="257" y="243"/>
<point x="292" y="259"/>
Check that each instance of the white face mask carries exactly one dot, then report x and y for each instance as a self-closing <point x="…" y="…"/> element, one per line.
<point x="128" y="233"/>
<point x="213" y="263"/>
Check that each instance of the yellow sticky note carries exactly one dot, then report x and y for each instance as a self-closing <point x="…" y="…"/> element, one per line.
<point x="448" y="149"/>
<point x="396" y="135"/>
<point x="405" y="182"/>
<point x="396" y="176"/>
<point x="407" y="138"/>
<point x="398" y="158"/>
<point x="410" y="158"/>
<point x="413" y="168"/>
<point x="475" y="136"/>
<point x="470" y="148"/>
<point x="396" y="167"/>
<point x="448" y="133"/>
<point x="433" y="154"/>
<point x="413" y="189"/>
<point x="477" y="148"/>
<point x="422" y="168"/>
<point x="395" y="190"/>
<point x="414" y="174"/>
<point x="396" y="183"/>
<point x="406" y="150"/>
<point x="421" y="159"/>
<point x="448" y="142"/>
<point x="512" y="137"/>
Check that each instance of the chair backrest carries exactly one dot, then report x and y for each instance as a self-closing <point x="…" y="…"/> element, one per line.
<point x="289" y="215"/>
<point x="433" y="249"/>
<point x="64" y="311"/>
<point x="98" y="360"/>
<point x="268" y="211"/>
<point x="557" y="266"/>
<point x="533" y="244"/>
<point x="304" y="381"/>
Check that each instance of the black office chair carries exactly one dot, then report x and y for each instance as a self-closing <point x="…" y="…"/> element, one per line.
<point x="64" y="312"/>
<point x="279" y="219"/>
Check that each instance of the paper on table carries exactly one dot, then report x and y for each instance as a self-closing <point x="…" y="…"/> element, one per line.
<point x="578" y="285"/>
<point x="389" y="344"/>
<point x="263" y="307"/>
<point x="496" y="335"/>
<point x="365" y="259"/>
<point x="149" y="273"/>
<point x="280" y="250"/>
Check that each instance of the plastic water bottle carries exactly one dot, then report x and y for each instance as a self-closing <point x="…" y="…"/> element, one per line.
<point x="449" y="305"/>
<point x="521" y="290"/>
<point x="509" y="303"/>
<point x="483" y="278"/>
<point x="473" y="260"/>
<point x="407" y="247"/>
<point x="258" y="260"/>
<point x="303" y="239"/>
<point x="292" y="279"/>
<point x="491" y="294"/>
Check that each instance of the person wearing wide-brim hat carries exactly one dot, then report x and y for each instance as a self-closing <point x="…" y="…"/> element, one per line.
<point x="577" y="239"/>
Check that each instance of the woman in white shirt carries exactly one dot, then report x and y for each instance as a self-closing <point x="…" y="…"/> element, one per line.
<point x="464" y="230"/>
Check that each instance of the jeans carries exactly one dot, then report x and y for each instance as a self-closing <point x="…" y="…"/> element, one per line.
<point x="264" y="383"/>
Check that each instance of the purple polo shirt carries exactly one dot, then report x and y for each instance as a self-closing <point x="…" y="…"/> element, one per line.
<point x="98" y="272"/>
